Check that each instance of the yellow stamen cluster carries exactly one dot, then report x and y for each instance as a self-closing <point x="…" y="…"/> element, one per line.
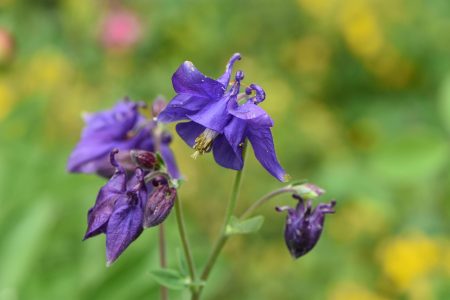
<point x="203" y="143"/>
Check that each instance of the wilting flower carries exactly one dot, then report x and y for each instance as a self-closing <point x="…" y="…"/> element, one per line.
<point x="217" y="119"/>
<point x="118" y="210"/>
<point x="304" y="225"/>
<point x="123" y="128"/>
<point x="123" y="208"/>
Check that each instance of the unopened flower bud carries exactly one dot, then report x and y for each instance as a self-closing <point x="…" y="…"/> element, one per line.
<point x="304" y="225"/>
<point x="144" y="159"/>
<point x="308" y="191"/>
<point x="159" y="205"/>
<point x="158" y="106"/>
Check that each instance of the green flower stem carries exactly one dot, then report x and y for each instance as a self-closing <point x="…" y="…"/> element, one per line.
<point x="185" y="243"/>
<point x="162" y="236"/>
<point x="162" y="258"/>
<point x="264" y="199"/>
<point x="223" y="236"/>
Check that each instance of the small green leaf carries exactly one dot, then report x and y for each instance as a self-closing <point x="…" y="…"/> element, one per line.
<point x="251" y="225"/>
<point x="170" y="278"/>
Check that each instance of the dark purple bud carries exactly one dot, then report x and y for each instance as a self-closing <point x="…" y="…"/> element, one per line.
<point x="159" y="205"/>
<point x="304" y="225"/>
<point x="158" y="106"/>
<point x="144" y="159"/>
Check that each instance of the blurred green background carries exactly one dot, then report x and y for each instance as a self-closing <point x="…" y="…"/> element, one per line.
<point x="360" y="95"/>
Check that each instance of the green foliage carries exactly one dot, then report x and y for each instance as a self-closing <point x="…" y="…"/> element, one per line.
<point x="237" y="226"/>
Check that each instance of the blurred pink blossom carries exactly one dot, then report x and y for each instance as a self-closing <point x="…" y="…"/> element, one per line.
<point x="121" y="30"/>
<point x="7" y="46"/>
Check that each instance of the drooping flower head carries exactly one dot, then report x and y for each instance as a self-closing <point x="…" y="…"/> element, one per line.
<point x="304" y="225"/>
<point x="124" y="206"/>
<point x="123" y="127"/>
<point x="218" y="121"/>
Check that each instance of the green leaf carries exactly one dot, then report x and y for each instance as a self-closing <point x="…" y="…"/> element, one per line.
<point x="170" y="278"/>
<point x="251" y="225"/>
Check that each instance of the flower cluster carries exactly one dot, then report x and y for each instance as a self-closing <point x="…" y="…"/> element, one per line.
<point x="119" y="144"/>
<point x="220" y="119"/>
<point x="132" y="150"/>
<point x="124" y="206"/>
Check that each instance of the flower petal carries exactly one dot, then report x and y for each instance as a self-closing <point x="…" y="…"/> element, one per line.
<point x="214" y="115"/>
<point x="224" y="154"/>
<point x="124" y="226"/>
<point x="234" y="133"/>
<point x="169" y="159"/>
<point x="180" y="106"/>
<point x="225" y="78"/>
<point x="188" y="80"/>
<point x="250" y="111"/>
<point x="262" y="143"/>
<point x="189" y="131"/>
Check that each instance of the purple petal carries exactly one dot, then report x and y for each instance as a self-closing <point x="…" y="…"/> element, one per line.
<point x="225" y="78"/>
<point x="213" y="116"/>
<point x="124" y="226"/>
<point x="234" y="133"/>
<point x="224" y="154"/>
<point x="262" y="143"/>
<point x="188" y="80"/>
<point x="189" y="131"/>
<point x="169" y="159"/>
<point x="91" y="154"/>
<point x="108" y="195"/>
<point x="113" y="123"/>
<point x="180" y="106"/>
<point x="250" y="111"/>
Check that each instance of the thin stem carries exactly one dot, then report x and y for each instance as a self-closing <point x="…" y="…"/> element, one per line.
<point x="162" y="237"/>
<point x="184" y="241"/>
<point x="223" y="236"/>
<point x="162" y="259"/>
<point x="264" y="199"/>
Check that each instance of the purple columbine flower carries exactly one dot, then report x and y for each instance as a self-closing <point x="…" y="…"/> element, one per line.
<point x="217" y="119"/>
<point x="118" y="210"/>
<point x="123" y="208"/>
<point x="123" y="128"/>
<point x="304" y="225"/>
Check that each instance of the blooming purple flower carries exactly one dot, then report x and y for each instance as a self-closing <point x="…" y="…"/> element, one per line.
<point x="123" y="128"/>
<point x="217" y="119"/>
<point x="304" y="225"/>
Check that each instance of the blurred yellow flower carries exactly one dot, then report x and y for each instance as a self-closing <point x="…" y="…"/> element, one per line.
<point x="7" y="98"/>
<point x="406" y="260"/>
<point x="48" y="71"/>
<point x="321" y="9"/>
<point x="360" y="218"/>
<point x="352" y="291"/>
